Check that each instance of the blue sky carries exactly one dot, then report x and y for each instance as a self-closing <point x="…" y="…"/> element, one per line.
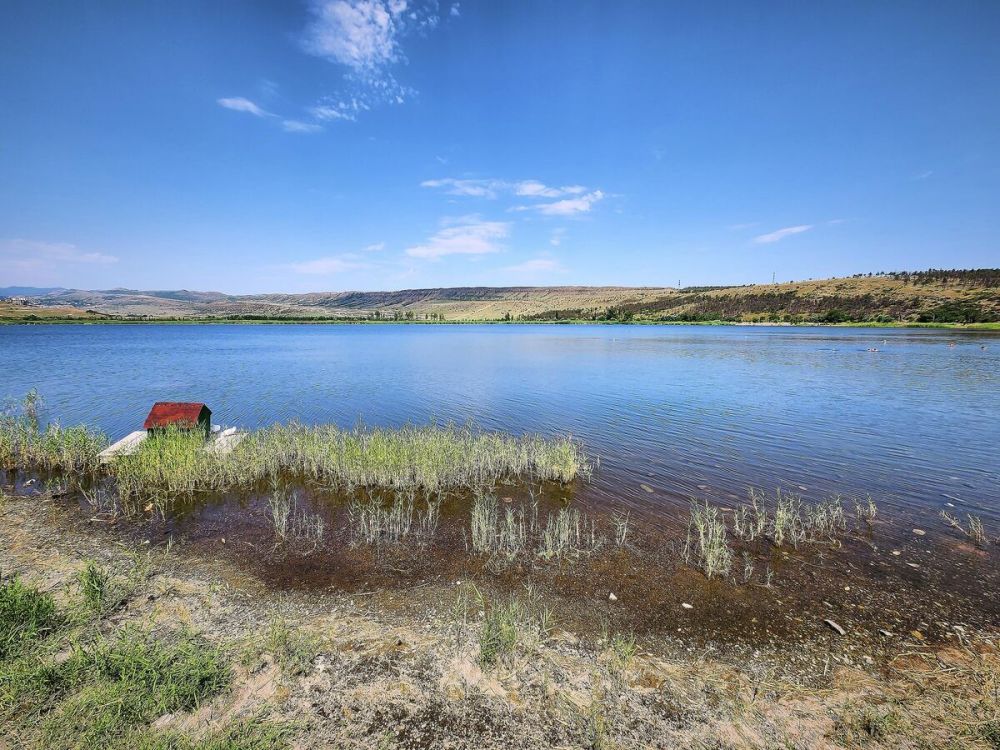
<point x="382" y="144"/>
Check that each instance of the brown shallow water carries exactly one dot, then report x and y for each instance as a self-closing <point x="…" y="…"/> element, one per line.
<point x="879" y="576"/>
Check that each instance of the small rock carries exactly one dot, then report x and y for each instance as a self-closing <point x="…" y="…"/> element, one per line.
<point x="612" y="597"/>
<point x="896" y="552"/>
<point x="913" y="565"/>
<point x="647" y="488"/>
<point x="687" y="606"/>
<point x="835" y="627"/>
<point x="885" y="633"/>
<point x="223" y="540"/>
<point x="919" y="532"/>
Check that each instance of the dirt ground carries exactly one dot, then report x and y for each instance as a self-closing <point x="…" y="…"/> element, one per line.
<point x="404" y="668"/>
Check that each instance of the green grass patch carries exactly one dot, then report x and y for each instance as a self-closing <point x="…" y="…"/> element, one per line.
<point x="128" y="681"/>
<point x="26" y="616"/>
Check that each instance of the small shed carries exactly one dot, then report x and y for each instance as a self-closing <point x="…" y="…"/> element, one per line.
<point x="179" y="415"/>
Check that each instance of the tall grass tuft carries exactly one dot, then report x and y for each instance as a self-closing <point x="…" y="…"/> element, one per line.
<point x="26" y="615"/>
<point x="25" y="444"/>
<point x="706" y="545"/>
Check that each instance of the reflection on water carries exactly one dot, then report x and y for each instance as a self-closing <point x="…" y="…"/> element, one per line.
<point x="684" y="410"/>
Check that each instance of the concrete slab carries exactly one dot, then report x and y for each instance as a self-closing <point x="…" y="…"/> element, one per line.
<point x="125" y="446"/>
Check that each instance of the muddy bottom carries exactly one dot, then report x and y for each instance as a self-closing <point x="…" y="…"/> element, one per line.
<point x="879" y="580"/>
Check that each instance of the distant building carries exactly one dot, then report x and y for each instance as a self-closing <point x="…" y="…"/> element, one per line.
<point x="179" y="415"/>
<point x="22" y="301"/>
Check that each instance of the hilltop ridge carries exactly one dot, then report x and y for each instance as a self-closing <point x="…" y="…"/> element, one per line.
<point x="944" y="296"/>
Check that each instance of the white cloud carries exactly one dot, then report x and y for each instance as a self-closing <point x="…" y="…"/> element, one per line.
<point x="536" y="266"/>
<point x="328" y="265"/>
<point x="241" y="104"/>
<point x="566" y="207"/>
<point x="535" y="189"/>
<point x="31" y="255"/>
<point x="780" y="234"/>
<point x="375" y="247"/>
<point x="923" y="175"/>
<point x="297" y="126"/>
<point x="455" y="12"/>
<point x="361" y="34"/>
<point x="468" y="235"/>
<point x="493" y="188"/>
<point x="473" y="188"/>
<point x="557" y="236"/>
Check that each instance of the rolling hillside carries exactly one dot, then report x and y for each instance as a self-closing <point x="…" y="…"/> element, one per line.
<point x="967" y="296"/>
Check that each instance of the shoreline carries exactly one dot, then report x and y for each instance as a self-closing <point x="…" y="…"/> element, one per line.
<point x="410" y="668"/>
<point x="973" y="327"/>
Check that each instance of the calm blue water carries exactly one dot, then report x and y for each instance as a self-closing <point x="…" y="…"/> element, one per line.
<point x="686" y="411"/>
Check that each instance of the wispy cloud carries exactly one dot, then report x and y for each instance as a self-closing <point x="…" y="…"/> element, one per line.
<point x="922" y="175"/>
<point x="328" y="265"/>
<point x="535" y="266"/>
<point x="375" y="247"/>
<point x="297" y="126"/>
<point x="557" y="236"/>
<point x="494" y="188"/>
<point x="474" y="188"/>
<point x="780" y="234"/>
<point x="566" y="207"/>
<point x="242" y="104"/>
<point x="468" y="235"/>
<point x="33" y="255"/>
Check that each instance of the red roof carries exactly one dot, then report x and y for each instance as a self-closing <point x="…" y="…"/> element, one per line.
<point x="179" y="413"/>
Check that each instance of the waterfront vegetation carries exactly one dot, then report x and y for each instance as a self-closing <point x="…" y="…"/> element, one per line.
<point x="176" y="463"/>
<point x="68" y="685"/>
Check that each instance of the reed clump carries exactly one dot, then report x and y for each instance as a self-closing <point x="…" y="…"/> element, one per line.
<point x="794" y="521"/>
<point x="706" y="546"/>
<point x="374" y="523"/>
<point x="509" y="531"/>
<point x="25" y="444"/>
<point x="428" y="459"/>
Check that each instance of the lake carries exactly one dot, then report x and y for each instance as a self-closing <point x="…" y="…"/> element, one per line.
<point x="672" y="412"/>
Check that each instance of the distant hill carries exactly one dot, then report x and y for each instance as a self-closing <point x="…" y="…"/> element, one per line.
<point x="955" y="296"/>
<point x="27" y="291"/>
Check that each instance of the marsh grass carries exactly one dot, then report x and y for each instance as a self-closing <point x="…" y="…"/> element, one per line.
<point x="706" y="546"/>
<point x="373" y="522"/>
<point x="794" y="521"/>
<point x="427" y="459"/>
<point x="974" y="528"/>
<point x="507" y="532"/>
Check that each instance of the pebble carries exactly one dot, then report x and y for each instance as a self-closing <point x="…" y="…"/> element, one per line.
<point x="896" y="552"/>
<point x="913" y="565"/>
<point x="687" y="606"/>
<point x="612" y="597"/>
<point x="647" y="488"/>
<point x="919" y="532"/>
<point x="885" y="633"/>
<point x="835" y="627"/>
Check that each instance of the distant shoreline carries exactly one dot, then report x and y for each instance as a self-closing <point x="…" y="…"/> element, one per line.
<point x="328" y="321"/>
